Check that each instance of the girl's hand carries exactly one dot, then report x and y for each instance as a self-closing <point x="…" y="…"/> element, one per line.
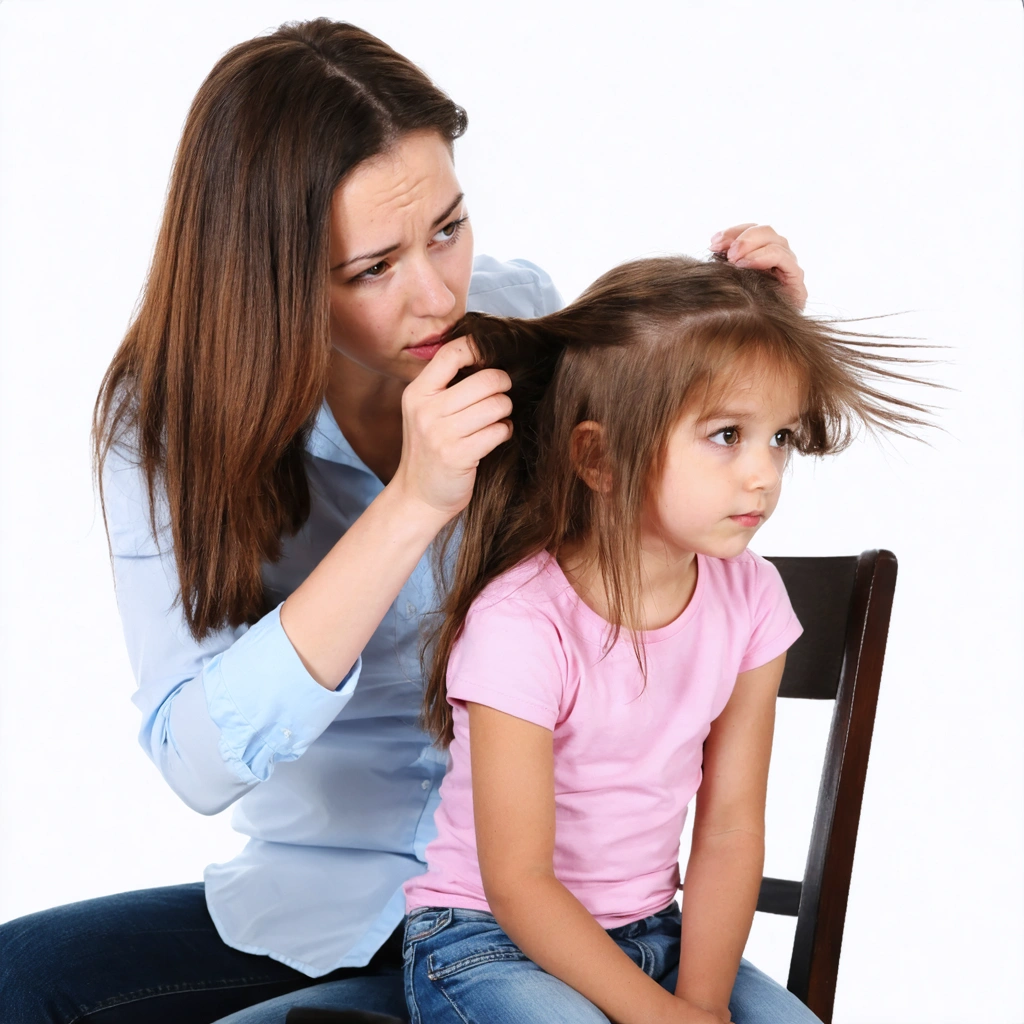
<point x="763" y="248"/>
<point x="446" y="431"/>
<point x="697" y="1013"/>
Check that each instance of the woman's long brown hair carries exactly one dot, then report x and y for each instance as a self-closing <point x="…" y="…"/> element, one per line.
<point x="218" y="380"/>
<point x="645" y="343"/>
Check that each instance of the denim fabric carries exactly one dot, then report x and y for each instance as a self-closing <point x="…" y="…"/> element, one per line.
<point x="460" y="967"/>
<point x="154" y="955"/>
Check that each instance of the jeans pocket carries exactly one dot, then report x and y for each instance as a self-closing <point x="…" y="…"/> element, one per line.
<point x="422" y="924"/>
<point x="440" y="965"/>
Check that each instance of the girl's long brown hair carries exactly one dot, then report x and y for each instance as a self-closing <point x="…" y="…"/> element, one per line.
<point x="217" y="382"/>
<point x="645" y="343"/>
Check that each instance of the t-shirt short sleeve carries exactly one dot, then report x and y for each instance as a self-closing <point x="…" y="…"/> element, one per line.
<point x="774" y="625"/>
<point x="509" y="657"/>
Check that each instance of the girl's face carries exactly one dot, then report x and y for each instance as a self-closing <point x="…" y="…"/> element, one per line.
<point x="401" y="257"/>
<point x="722" y="471"/>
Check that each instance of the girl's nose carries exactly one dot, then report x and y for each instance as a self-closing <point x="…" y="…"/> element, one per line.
<point x="764" y="471"/>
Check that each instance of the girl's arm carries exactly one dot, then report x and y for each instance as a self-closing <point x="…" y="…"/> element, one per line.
<point x="723" y="874"/>
<point x="514" y="809"/>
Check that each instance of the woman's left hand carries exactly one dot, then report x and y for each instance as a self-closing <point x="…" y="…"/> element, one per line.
<point x="762" y="248"/>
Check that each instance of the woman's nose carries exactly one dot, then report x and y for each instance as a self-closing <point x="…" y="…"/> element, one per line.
<point x="431" y="296"/>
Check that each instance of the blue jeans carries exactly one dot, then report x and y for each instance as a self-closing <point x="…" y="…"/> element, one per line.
<point x="155" y="956"/>
<point x="461" y="967"/>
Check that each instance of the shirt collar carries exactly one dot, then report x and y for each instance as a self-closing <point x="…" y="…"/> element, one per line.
<point x="326" y="441"/>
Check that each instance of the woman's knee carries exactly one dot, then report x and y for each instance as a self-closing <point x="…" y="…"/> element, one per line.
<point x="36" y="963"/>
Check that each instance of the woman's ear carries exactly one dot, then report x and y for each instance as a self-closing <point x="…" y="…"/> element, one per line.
<point x="589" y="458"/>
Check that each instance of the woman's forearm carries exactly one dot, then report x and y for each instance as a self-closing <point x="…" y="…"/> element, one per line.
<point x="559" y="934"/>
<point x="723" y="878"/>
<point x="331" y="616"/>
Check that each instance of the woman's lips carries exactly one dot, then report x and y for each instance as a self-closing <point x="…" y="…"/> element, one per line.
<point x="427" y="348"/>
<point x="748" y="519"/>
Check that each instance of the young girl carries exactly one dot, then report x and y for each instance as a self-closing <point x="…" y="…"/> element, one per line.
<point x="609" y="648"/>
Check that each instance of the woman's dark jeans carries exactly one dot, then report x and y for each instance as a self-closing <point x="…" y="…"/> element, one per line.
<point x="154" y="956"/>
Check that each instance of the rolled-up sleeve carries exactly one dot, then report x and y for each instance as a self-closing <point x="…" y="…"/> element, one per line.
<point x="267" y="706"/>
<point x="217" y="714"/>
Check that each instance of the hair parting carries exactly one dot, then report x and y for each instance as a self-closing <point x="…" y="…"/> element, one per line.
<point x="217" y="383"/>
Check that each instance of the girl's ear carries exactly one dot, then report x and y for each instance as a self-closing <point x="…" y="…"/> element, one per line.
<point x="588" y="456"/>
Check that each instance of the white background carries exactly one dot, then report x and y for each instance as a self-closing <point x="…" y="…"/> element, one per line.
<point x="883" y="139"/>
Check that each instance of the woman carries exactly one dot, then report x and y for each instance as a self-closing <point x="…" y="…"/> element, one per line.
<point x="279" y="447"/>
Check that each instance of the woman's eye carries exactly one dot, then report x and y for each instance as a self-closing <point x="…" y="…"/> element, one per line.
<point x="449" y="231"/>
<point x="375" y="271"/>
<point x="726" y="436"/>
<point x="782" y="438"/>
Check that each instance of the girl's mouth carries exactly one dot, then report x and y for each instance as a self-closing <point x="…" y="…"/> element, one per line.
<point x="748" y="519"/>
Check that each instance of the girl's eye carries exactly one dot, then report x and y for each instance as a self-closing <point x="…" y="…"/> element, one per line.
<point x="782" y="439"/>
<point x="727" y="436"/>
<point x="450" y="231"/>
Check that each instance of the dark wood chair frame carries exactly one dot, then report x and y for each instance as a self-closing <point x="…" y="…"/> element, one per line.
<point x="844" y="605"/>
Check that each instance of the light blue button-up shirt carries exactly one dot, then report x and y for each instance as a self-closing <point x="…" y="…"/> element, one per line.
<point x="336" y="789"/>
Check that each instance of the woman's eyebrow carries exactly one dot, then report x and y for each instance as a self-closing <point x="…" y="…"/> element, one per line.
<point x="448" y="212"/>
<point x="381" y="253"/>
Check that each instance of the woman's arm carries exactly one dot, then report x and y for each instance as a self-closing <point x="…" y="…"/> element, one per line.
<point x="514" y="809"/>
<point x="218" y="714"/>
<point x="446" y="432"/>
<point x="723" y="874"/>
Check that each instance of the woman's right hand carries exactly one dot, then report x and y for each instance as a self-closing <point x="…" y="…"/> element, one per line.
<point x="446" y="431"/>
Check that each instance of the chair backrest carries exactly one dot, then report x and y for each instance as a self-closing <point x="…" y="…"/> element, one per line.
<point x="844" y="605"/>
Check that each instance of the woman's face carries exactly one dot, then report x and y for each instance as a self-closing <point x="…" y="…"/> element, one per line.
<point x="401" y="258"/>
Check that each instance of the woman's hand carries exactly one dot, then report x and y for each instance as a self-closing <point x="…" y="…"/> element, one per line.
<point x="446" y="431"/>
<point x="762" y="248"/>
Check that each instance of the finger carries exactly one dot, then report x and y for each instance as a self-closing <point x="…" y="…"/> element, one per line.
<point x="473" y="389"/>
<point x="446" y="363"/>
<point x="468" y="421"/>
<point x="767" y="257"/>
<point x="723" y="239"/>
<point x="481" y="443"/>
<point x="782" y="264"/>
<point x="755" y="238"/>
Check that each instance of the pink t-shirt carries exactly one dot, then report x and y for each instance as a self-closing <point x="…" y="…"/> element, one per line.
<point x="627" y="757"/>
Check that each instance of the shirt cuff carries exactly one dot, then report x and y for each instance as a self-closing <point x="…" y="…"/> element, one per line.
<point x="265" y="703"/>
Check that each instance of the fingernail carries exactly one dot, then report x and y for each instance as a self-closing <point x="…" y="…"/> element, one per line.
<point x="743" y="263"/>
<point x="717" y="237"/>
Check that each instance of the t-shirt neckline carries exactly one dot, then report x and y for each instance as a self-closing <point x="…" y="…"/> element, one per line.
<point x="597" y="627"/>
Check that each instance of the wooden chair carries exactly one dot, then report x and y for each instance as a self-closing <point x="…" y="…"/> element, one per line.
<point x="844" y="605"/>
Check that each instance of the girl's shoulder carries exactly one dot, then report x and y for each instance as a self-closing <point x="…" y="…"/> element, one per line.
<point x="748" y="577"/>
<point x="530" y="584"/>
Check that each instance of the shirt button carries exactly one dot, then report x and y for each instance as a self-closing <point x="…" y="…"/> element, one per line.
<point x="425" y="784"/>
<point x="410" y="609"/>
<point x="287" y="733"/>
